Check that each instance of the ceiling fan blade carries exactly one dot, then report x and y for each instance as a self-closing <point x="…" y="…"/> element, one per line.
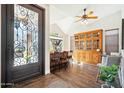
<point x="78" y="20"/>
<point x="90" y="13"/>
<point x="91" y="17"/>
<point x="79" y="16"/>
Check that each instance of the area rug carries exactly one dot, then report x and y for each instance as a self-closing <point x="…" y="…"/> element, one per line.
<point x="59" y="84"/>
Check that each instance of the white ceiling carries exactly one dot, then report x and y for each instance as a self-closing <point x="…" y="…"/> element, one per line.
<point x="70" y="10"/>
<point x="64" y="14"/>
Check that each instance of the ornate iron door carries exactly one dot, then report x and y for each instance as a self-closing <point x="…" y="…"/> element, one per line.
<point x="24" y="42"/>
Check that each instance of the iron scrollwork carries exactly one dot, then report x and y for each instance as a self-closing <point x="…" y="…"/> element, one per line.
<point x="25" y="36"/>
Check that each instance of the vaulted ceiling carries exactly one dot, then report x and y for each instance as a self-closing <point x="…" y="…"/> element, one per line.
<point x="63" y="15"/>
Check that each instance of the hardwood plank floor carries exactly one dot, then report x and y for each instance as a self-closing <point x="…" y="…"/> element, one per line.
<point x="76" y="76"/>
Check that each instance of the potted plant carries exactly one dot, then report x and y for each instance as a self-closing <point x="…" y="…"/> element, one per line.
<point x="108" y="75"/>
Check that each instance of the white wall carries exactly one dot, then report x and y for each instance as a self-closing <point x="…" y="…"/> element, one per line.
<point x="59" y="26"/>
<point x="56" y="29"/>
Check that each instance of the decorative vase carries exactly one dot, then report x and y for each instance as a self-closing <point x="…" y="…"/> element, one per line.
<point x="107" y="85"/>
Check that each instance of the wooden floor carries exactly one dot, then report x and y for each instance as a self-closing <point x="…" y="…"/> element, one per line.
<point x="76" y="76"/>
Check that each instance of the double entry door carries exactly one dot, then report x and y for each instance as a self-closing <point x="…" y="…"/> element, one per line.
<point x="24" y="43"/>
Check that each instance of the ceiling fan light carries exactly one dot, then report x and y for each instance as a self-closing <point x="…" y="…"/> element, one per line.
<point x="84" y="22"/>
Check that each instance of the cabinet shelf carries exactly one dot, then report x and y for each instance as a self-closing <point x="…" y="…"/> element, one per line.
<point x="86" y="45"/>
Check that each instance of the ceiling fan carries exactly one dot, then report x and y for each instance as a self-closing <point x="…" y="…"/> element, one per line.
<point x="86" y="16"/>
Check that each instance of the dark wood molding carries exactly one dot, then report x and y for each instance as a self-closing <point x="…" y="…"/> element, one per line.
<point x="43" y="53"/>
<point x="3" y="44"/>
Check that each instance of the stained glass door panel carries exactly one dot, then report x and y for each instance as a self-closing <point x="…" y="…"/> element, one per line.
<point x="25" y="42"/>
<point x="25" y="36"/>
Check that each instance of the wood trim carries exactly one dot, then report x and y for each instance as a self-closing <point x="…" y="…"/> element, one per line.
<point x="89" y="31"/>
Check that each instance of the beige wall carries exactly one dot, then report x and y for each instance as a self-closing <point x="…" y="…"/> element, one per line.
<point x="66" y="43"/>
<point x="56" y="29"/>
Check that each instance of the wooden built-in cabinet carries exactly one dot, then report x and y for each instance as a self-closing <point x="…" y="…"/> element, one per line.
<point x="88" y="46"/>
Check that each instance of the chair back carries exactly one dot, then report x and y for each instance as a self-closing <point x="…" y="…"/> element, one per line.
<point x="64" y="55"/>
<point x="121" y="73"/>
<point x="113" y="60"/>
<point x="104" y="60"/>
<point x="54" y="57"/>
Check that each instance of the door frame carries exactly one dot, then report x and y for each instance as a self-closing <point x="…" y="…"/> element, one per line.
<point x="4" y="42"/>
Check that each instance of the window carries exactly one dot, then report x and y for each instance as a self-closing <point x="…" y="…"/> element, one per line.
<point x="112" y="41"/>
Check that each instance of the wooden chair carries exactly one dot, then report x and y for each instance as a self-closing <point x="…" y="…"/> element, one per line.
<point x="54" y="61"/>
<point x="70" y="58"/>
<point x="64" y="59"/>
